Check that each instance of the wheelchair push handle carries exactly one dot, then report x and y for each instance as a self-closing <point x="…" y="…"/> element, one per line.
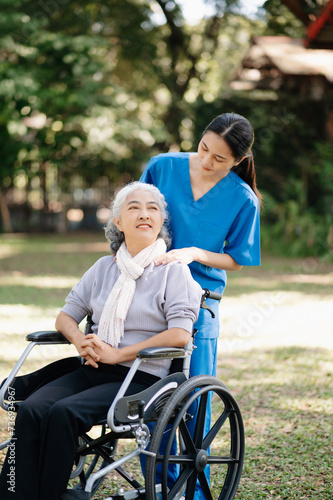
<point x="208" y="294"/>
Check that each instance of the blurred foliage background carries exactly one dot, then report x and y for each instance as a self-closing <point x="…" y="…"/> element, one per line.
<point x="90" y="90"/>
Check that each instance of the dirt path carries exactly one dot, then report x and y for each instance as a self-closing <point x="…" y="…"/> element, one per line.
<point x="269" y="319"/>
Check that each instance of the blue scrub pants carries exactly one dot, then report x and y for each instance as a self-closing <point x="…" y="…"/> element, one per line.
<point x="203" y="362"/>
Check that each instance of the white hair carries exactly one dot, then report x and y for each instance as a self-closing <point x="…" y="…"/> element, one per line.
<point x="112" y="233"/>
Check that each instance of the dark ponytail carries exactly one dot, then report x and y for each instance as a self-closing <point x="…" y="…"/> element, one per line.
<point x="238" y="134"/>
<point x="246" y="171"/>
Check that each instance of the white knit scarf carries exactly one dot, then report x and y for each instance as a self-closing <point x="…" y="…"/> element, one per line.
<point x="111" y="325"/>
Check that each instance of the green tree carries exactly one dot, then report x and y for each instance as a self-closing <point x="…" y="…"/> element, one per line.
<point x="88" y="89"/>
<point x="48" y="81"/>
<point x="280" y="20"/>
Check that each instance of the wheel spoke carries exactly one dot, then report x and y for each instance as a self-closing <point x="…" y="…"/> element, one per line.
<point x="159" y="459"/>
<point x="205" y="486"/>
<point x="187" y="438"/>
<point x="211" y="459"/>
<point x="200" y="424"/>
<point x="215" y="429"/>
<point x="180" y="484"/>
<point x="179" y="459"/>
<point x="190" y="487"/>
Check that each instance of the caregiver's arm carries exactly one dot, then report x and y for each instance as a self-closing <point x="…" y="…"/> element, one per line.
<point x="190" y="254"/>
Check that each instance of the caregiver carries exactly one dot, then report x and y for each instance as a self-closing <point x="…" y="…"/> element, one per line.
<point x="214" y="206"/>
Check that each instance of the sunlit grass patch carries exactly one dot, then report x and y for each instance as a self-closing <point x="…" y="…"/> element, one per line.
<point x="286" y="397"/>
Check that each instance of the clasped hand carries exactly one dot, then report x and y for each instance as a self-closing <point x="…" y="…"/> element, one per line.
<point x="94" y="350"/>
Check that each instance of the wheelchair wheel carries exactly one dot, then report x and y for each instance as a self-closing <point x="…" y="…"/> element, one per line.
<point x="194" y="445"/>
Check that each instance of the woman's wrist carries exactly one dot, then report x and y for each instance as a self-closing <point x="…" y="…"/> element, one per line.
<point x="197" y="254"/>
<point x="109" y="355"/>
<point x="77" y="343"/>
<point x="122" y="355"/>
<point x="213" y="259"/>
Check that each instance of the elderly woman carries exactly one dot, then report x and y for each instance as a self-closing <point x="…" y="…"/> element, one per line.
<point x="134" y="305"/>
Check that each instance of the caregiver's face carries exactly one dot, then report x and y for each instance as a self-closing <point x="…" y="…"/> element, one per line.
<point x="215" y="156"/>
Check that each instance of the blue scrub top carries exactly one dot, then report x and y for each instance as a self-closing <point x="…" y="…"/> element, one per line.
<point x="224" y="220"/>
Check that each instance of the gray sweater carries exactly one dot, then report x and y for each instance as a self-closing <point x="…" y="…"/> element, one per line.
<point x="165" y="297"/>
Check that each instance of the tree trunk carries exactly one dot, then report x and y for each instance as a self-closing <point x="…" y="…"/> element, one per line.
<point x="5" y="214"/>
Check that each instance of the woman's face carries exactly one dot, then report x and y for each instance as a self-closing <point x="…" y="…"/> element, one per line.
<point x="215" y="156"/>
<point x="140" y="219"/>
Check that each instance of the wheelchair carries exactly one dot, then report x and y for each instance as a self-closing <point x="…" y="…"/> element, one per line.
<point x="175" y="406"/>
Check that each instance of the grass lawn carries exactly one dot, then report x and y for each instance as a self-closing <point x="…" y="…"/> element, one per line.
<point x="275" y="353"/>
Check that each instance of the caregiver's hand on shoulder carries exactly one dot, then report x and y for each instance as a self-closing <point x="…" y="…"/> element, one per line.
<point x="183" y="255"/>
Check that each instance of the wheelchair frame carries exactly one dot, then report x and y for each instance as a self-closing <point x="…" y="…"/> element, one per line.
<point x="170" y="403"/>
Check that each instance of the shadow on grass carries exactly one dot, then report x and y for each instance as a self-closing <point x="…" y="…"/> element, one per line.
<point x="69" y="254"/>
<point x="34" y="296"/>
<point x="50" y="264"/>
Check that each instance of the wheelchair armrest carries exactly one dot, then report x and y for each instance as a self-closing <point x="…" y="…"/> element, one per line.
<point x="51" y="337"/>
<point x="161" y="352"/>
<point x="35" y="338"/>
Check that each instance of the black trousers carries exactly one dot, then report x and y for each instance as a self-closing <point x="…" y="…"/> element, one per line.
<point x="39" y="461"/>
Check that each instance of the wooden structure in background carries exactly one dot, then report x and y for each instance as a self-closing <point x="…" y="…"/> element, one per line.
<point x="283" y="63"/>
<point x="302" y="67"/>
